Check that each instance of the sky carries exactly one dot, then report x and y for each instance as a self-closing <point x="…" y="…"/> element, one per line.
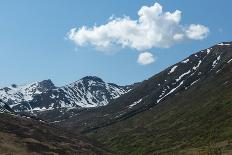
<point x="120" y="41"/>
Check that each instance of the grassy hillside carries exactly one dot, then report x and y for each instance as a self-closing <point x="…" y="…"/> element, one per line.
<point x="195" y="121"/>
<point x="22" y="136"/>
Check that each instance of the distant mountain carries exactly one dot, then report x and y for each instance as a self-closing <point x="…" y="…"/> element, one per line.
<point x="89" y="91"/>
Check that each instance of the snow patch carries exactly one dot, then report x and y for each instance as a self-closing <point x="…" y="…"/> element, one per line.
<point x="172" y="69"/>
<point x="195" y="67"/>
<point x="216" y="61"/>
<point x="19" y="93"/>
<point x="185" y="61"/>
<point x="229" y="61"/>
<point x="170" y="92"/>
<point x="135" y="103"/>
<point x="194" y="82"/>
<point x="224" y="44"/>
<point x="180" y="77"/>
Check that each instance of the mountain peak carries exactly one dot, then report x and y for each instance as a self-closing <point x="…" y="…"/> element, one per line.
<point x="47" y="84"/>
<point x="93" y="78"/>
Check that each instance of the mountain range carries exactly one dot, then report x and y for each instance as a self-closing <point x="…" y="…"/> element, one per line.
<point x="184" y="109"/>
<point x="89" y="91"/>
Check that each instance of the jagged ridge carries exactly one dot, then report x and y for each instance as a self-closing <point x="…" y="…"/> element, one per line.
<point x="89" y="91"/>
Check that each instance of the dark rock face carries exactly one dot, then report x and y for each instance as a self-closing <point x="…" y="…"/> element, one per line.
<point x="46" y="85"/>
<point x="4" y="108"/>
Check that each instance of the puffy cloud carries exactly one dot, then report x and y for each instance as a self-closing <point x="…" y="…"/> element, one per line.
<point x="153" y="29"/>
<point x="197" y="32"/>
<point x="145" y="58"/>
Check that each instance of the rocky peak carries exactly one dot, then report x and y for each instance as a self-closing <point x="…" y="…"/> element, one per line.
<point x="92" y="78"/>
<point x="46" y="85"/>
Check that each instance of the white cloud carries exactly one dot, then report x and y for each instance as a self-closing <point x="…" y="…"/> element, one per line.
<point x="153" y="29"/>
<point x="145" y="58"/>
<point x="197" y="32"/>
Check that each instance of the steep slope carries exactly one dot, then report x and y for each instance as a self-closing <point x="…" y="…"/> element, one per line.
<point x="171" y="111"/>
<point x="196" y="121"/>
<point x="173" y="80"/>
<point x="89" y="91"/>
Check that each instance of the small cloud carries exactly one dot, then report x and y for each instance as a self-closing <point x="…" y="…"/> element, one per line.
<point x="197" y="32"/>
<point x="154" y="28"/>
<point x="145" y="58"/>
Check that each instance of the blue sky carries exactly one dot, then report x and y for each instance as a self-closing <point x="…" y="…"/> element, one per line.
<point x="34" y="45"/>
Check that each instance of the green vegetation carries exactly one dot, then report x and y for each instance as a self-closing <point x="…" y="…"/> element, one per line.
<point x="182" y="124"/>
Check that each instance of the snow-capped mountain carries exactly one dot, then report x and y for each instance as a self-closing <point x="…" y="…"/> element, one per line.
<point x="17" y="94"/>
<point x="89" y="91"/>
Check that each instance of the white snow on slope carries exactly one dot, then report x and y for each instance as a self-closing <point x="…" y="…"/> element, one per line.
<point x="185" y="61"/>
<point x="216" y="61"/>
<point x="194" y="82"/>
<point x="170" y="92"/>
<point x="181" y="76"/>
<point x="195" y="67"/>
<point x="229" y="61"/>
<point x="224" y="44"/>
<point x="19" y="93"/>
<point x="135" y="103"/>
<point x="80" y="94"/>
<point x="173" y="69"/>
<point x="115" y="91"/>
<point x="42" y="109"/>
